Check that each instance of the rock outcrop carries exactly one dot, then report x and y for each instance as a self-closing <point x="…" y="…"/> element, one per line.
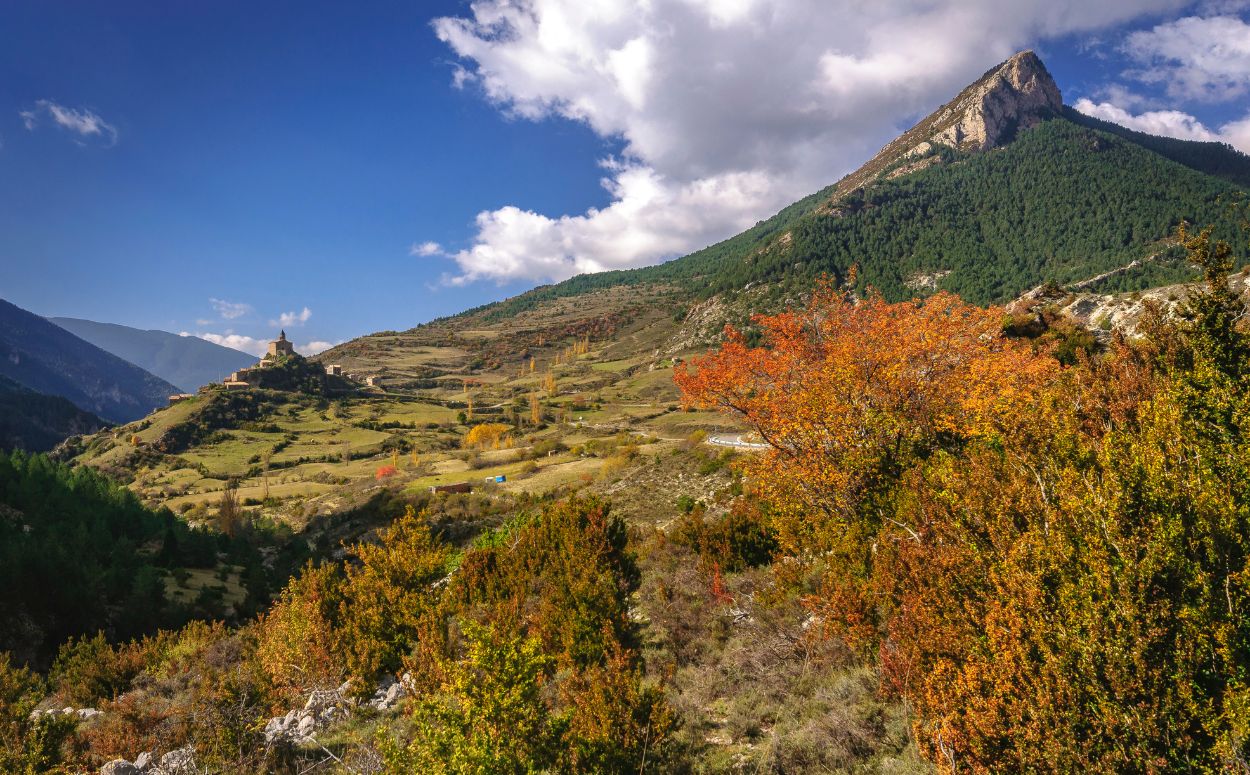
<point x="325" y="707"/>
<point x="85" y="714"/>
<point x="1122" y="312"/>
<point x="180" y="761"/>
<point x="1015" y="95"/>
<point x="322" y="708"/>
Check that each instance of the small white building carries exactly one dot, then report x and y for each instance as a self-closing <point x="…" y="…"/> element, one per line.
<point x="334" y="370"/>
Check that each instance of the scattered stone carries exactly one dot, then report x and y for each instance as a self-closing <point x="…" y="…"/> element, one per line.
<point x="389" y="693"/>
<point x="327" y="706"/>
<point x="180" y="761"/>
<point x="86" y="714"/>
<point x="119" y="767"/>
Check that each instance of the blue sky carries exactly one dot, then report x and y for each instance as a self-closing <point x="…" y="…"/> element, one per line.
<point x="212" y="167"/>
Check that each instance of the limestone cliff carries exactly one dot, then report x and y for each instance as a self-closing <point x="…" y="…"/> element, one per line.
<point x="1015" y="95"/>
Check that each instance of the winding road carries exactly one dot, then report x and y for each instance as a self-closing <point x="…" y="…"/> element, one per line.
<point x="734" y="440"/>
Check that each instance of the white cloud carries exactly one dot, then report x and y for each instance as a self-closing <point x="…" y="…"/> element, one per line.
<point x="230" y="310"/>
<point x="649" y="218"/>
<point x="246" y="344"/>
<point x="257" y="347"/>
<point x="312" y="348"/>
<point x="1194" y="58"/>
<point x="429" y="248"/>
<point x="1237" y="134"/>
<point x="289" y="319"/>
<point x="81" y="121"/>
<point x="1170" y="123"/>
<point x="727" y="110"/>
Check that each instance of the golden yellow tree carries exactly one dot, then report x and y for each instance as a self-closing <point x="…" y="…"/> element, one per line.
<point x="536" y="409"/>
<point x="487" y="434"/>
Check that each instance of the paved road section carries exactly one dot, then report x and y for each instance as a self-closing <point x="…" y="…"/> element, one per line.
<point x="734" y="440"/>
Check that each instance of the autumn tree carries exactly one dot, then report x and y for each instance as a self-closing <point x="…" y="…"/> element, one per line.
<point x="536" y="409"/>
<point x="229" y="511"/>
<point x="560" y="580"/>
<point x="296" y="644"/>
<point x="848" y="395"/>
<point x="389" y="596"/>
<point x="487" y="434"/>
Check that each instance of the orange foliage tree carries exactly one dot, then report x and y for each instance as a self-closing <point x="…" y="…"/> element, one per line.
<point x="385" y="471"/>
<point x="848" y="395"/>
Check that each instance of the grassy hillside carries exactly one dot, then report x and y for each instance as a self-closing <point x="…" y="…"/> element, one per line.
<point x="186" y="361"/>
<point x="48" y="359"/>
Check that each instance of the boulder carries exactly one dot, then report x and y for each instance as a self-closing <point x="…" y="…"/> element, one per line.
<point x="119" y="767"/>
<point x="306" y="726"/>
<point x="180" y="761"/>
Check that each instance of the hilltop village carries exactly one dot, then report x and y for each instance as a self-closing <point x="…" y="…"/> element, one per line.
<point x="281" y="368"/>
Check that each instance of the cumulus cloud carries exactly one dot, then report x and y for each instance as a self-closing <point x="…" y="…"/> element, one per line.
<point x="87" y="124"/>
<point x="1170" y="123"/>
<point x="429" y="248"/>
<point x="257" y="347"/>
<point x="1194" y="58"/>
<point x="726" y="110"/>
<point x="230" y="310"/>
<point x="312" y="348"/>
<point x="289" y="319"/>
<point x="240" y="342"/>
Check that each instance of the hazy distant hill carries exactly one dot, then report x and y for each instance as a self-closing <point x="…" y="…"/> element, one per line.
<point x="36" y="422"/>
<point x="187" y="361"/>
<point x="48" y="359"/>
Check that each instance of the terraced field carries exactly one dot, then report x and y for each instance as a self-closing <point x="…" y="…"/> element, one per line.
<point x="584" y="388"/>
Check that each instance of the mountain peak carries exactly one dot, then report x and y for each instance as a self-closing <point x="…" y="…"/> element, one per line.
<point x="1016" y="94"/>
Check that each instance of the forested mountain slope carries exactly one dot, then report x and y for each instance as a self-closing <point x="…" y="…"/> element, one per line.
<point x="36" y="422"/>
<point x="48" y="359"/>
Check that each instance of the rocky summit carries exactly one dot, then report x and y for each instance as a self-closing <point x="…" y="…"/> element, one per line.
<point x="1015" y="95"/>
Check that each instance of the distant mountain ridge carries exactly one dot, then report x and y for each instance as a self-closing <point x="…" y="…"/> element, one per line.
<point x="186" y="361"/>
<point x="46" y="358"/>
